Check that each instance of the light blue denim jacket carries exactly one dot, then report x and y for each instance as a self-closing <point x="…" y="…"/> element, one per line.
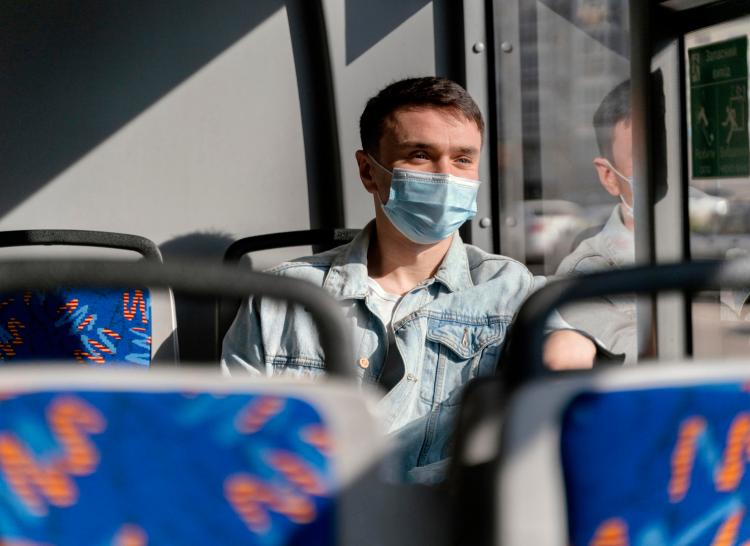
<point x="453" y="329"/>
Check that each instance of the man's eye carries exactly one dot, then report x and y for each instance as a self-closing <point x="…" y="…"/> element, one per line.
<point x="465" y="160"/>
<point x="420" y="155"/>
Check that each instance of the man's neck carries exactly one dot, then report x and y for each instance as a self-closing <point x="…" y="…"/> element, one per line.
<point x="396" y="263"/>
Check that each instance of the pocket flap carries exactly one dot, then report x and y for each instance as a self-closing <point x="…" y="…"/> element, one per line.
<point x="464" y="339"/>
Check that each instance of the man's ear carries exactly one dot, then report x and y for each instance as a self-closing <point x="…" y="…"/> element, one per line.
<point x="607" y="176"/>
<point x="366" y="171"/>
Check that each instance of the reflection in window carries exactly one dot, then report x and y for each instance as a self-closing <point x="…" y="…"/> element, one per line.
<point x="577" y="151"/>
<point x="718" y="167"/>
<point x="574" y="55"/>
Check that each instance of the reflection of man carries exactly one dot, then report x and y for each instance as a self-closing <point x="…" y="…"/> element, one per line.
<point x="428" y="312"/>
<point x="611" y="319"/>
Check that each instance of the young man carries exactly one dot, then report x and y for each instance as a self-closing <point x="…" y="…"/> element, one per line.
<point x="428" y="313"/>
<point x="610" y="319"/>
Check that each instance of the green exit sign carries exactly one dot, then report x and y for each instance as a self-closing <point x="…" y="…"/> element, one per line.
<point x="718" y="109"/>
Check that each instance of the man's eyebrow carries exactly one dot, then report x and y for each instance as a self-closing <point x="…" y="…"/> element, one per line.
<point x="471" y="150"/>
<point x="414" y="144"/>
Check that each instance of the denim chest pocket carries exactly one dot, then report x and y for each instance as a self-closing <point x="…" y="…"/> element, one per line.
<point x="457" y="352"/>
<point x="297" y="366"/>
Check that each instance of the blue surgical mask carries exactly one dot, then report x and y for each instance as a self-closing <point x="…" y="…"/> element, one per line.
<point x="428" y="207"/>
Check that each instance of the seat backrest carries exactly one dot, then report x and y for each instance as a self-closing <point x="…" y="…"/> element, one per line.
<point x="319" y="239"/>
<point x="204" y="280"/>
<point x="128" y="326"/>
<point x="125" y="458"/>
<point x="88" y="326"/>
<point x="270" y="488"/>
<point x="649" y="456"/>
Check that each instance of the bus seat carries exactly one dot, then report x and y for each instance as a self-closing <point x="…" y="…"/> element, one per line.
<point x="655" y="455"/>
<point x="320" y="239"/>
<point x="372" y="506"/>
<point x="128" y="326"/>
<point x="123" y="458"/>
<point x="614" y="456"/>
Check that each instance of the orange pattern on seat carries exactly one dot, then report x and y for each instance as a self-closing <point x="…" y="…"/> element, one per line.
<point x="613" y="532"/>
<point x="14" y="326"/>
<point x="110" y="333"/>
<point x="72" y="420"/>
<point x="683" y="457"/>
<point x="318" y="437"/>
<point x="82" y="356"/>
<point x="257" y="413"/>
<point x="736" y="454"/>
<point x="297" y="472"/>
<point x="130" y="535"/>
<point x="85" y="322"/>
<point x="33" y="480"/>
<point x="727" y="533"/>
<point x="138" y="304"/>
<point x="252" y="499"/>
<point x="30" y="479"/>
<point x="70" y="306"/>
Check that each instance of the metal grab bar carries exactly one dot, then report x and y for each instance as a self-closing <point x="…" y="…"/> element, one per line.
<point x="323" y="237"/>
<point x="80" y="237"/>
<point x="522" y="361"/>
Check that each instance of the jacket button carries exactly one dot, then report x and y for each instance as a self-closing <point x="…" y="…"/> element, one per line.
<point x="364" y="363"/>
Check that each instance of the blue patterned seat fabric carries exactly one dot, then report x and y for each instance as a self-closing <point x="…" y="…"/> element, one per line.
<point x="95" y="327"/>
<point x="659" y="467"/>
<point x="154" y="468"/>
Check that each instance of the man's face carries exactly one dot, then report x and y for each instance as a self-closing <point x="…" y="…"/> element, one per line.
<point x="622" y="160"/>
<point x="423" y="139"/>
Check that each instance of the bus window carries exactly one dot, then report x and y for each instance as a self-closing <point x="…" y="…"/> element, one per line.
<point x="566" y="196"/>
<point x="570" y="56"/>
<point x="718" y="154"/>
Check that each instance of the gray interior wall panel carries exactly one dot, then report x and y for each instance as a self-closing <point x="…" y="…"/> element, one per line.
<point x="372" y="44"/>
<point x="218" y="155"/>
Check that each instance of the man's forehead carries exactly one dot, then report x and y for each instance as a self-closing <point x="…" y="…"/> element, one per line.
<point x="410" y="124"/>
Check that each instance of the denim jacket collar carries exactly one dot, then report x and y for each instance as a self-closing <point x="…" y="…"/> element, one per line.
<point x="347" y="277"/>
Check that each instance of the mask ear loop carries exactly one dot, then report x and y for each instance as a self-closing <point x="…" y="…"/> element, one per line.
<point x="628" y="208"/>
<point x="629" y="180"/>
<point x="380" y="201"/>
<point x="379" y="165"/>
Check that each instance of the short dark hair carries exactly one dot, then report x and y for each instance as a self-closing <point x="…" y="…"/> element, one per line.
<point x="428" y="91"/>
<point x="614" y="108"/>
